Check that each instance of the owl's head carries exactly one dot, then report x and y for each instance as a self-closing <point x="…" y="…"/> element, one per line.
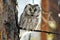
<point x="32" y="10"/>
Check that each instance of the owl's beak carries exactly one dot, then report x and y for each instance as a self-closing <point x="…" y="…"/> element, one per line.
<point x="31" y="15"/>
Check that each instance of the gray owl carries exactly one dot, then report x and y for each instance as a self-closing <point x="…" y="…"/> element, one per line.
<point x="29" y="19"/>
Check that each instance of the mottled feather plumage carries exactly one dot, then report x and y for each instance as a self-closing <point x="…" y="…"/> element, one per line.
<point x="29" y="19"/>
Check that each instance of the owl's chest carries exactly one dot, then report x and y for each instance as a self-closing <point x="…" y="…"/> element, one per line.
<point x="31" y="20"/>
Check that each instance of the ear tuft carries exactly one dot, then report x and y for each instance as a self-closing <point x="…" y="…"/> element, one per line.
<point x="27" y="5"/>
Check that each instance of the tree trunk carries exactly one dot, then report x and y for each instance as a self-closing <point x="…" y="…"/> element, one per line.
<point x="9" y="15"/>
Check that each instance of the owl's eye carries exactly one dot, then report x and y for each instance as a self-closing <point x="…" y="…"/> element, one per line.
<point x="30" y="9"/>
<point x="35" y="9"/>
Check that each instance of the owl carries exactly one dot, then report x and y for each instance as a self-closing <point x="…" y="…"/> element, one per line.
<point x="29" y="19"/>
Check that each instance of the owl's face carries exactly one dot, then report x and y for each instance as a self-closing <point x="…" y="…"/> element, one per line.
<point x="32" y="10"/>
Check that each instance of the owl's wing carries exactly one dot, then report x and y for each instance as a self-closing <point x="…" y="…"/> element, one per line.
<point x="21" y="22"/>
